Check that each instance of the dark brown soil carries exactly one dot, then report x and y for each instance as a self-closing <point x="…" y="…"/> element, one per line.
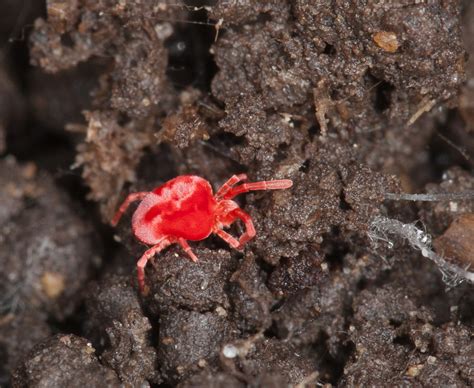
<point x="351" y="100"/>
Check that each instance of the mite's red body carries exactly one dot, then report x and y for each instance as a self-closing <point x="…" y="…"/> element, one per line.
<point x="185" y="208"/>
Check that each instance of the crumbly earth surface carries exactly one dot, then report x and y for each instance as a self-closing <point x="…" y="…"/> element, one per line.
<point x="351" y="100"/>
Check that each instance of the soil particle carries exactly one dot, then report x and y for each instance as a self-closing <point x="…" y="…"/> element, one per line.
<point x="211" y="380"/>
<point x="296" y="319"/>
<point x="248" y="11"/>
<point x="19" y="332"/>
<point x="187" y="337"/>
<point x="187" y="125"/>
<point x="108" y="156"/>
<point x="375" y="337"/>
<point x="270" y="379"/>
<point x="62" y="15"/>
<point x="139" y="79"/>
<point x="455" y="341"/>
<point x="274" y="358"/>
<point x="18" y="184"/>
<point x="175" y="280"/>
<point x="129" y="91"/>
<point x="390" y="326"/>
<point x="47" y="249"/>
<point x="117" y="325"/>
<point x="283" y="57"/>
<point x="433" y="365"/>
<point x="334" y="191"/>
<point x="297" y="273"/>
<point x="302" y="213"/>
<point x="251" y="299"/>
<point x="315" y="314"/>
<point x="49" y="51"/>
<point x="363" y="188"/>
<point x="63" y="361"/>
<point x="386" y="40"/>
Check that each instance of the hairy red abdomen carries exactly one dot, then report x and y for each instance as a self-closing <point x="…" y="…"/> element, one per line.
<point x="183" y="207"/>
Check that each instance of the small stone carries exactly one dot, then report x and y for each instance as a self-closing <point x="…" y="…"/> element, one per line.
<point x="431" y="360"/>
<point x="221" y="311"/>
<point x="414" y="370"/>
<point x="167" y="341"/>
<point x="52" y="284"/>
<point x="386" y="40"/>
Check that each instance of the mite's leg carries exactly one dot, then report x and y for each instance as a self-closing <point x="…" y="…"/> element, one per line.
<point x="228" y="185"/>
<point x="234" y="243"/>
<point x="131" y="198"/>
<point x="249" y="228"/>
<point x="263" y="185"/>
<point x="184" y="244"/>
<point x="143" y="261"/>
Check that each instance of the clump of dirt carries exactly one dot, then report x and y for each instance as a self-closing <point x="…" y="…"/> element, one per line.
<point x="19" y="333"/>
<point x="251" y="298"/>
<point x="48" y="250"/>
<point x="354" y="103"/>
<point x="206" y="379"/>
<point x="62" y="361"/>
<point x="133" y="91"/>
<point x="402" y="338"/>
<point x="173" y="281"/>
<point x="115" y="318"/>
<point x="48" y="253"/>
<point x="279" y="361"/>
<point x="190" y="341"/>
<point x="305" y="59"/>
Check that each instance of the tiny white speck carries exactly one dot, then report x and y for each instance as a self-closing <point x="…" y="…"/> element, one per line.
<point x="230" y="351"/>
<point x="453" y="206"/>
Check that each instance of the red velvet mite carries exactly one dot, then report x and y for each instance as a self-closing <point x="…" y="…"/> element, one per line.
<point x="185" y="208"/>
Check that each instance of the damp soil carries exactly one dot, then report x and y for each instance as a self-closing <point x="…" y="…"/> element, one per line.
<point x="350" y="100"/>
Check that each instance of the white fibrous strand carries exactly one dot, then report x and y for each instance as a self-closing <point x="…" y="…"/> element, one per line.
<point x="381" y="227"/>
<point x="431" y="197"/>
